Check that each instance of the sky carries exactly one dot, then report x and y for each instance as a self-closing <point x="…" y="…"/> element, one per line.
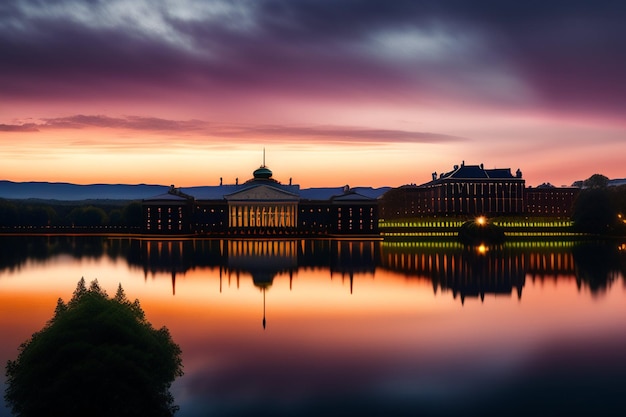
<point x="358" y="92"/>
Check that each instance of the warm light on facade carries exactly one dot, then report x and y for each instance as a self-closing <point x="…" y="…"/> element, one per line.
<point x="481" y="220"/>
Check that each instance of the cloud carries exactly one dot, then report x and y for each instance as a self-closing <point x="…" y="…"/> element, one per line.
<point x="344" y="134"/>
<point x="559" y="55"/>
<point x="26" y="127"/>
<point x="130" y="122"/>
<point x="252" y="132"/>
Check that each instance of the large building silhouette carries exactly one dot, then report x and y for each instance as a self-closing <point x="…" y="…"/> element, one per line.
<point x="470" y="190"/>
<point x="264" y="206"/>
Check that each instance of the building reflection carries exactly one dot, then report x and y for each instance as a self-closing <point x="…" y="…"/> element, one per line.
<point x="261" y="259"/>
<point x="477" y="271"/>
<point x="465" y="271"/>
<point x="449" y="266"/>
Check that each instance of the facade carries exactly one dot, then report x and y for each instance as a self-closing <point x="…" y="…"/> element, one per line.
<point x="470" y="190"/>
<point x="263" y="206"/>
<point x="466" y="190"/>
<point x="168" y="213"/>
<point x="551" y="201"/>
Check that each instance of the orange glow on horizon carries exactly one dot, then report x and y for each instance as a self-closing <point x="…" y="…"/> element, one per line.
<point x="191" y="157"/>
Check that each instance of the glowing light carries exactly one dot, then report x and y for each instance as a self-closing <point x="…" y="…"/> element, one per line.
<point x="482" y="249"/>
<point x="481" y="220"/>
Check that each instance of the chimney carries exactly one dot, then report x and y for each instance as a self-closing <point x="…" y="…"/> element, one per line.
<point x="434" y="176"/>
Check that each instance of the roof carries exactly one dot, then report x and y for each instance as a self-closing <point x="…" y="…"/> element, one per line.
<point x="220" y="192"/>
<point x="351" y="196"/>
<point x="474" y="172"/>
<point x="617" y="182"/>
<point x="327" y="193"/>
<point x="499" y="173"/>
<point x="467" y="171"/>
<point x="166" y="197"/>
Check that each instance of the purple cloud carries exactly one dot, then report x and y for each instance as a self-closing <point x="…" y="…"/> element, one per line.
<point x="560" y="55"/>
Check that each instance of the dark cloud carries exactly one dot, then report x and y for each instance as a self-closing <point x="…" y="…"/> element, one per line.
<point x="563" y="54"/>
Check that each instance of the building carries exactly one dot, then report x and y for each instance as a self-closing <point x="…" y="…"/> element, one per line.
<point x="469" y="190"/>
<point x="548" y="200"/>
<point x="263" y="206"/>
<point x="466" y="190"/>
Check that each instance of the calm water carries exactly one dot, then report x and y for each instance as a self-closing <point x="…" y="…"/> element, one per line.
<point x="316" y="327"/>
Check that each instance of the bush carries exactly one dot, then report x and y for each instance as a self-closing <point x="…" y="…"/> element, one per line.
<point x="97" y="356"/>
<point x="473" y="233"/>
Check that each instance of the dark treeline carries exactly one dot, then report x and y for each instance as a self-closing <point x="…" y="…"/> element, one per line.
<point x="55" y="214"/>
<point x="600" y="209"/>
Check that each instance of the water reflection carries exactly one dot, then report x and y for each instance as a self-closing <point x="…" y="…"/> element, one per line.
<point x="408" y="336"/>
<point x="450" y="266"/>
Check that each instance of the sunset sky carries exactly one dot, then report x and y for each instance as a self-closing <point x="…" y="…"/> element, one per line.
<point x="338" y="92"/>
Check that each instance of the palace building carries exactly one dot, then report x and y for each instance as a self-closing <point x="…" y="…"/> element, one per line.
<point x="470" y="190"/>
<point x="466" y="190"/>
<point x="263" y="206"/>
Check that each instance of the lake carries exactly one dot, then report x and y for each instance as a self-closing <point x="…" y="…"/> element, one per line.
<point x="341" y="327"/>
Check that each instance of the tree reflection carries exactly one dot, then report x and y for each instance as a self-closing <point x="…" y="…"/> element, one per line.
<point x="97" y="356"/>
<point x="597" y="265"/>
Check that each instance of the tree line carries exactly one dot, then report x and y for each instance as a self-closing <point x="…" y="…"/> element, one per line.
<point x="600" y="209"/>
<point x="17" y="213"/>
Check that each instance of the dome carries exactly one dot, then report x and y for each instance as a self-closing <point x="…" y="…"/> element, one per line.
<point x="263" y="173"/>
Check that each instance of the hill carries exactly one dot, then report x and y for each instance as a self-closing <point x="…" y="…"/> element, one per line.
<point x="73" y="192"/>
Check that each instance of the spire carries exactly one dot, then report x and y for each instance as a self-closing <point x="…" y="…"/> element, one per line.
<point x="264" y="321"/>
<point x="263" y="172"/>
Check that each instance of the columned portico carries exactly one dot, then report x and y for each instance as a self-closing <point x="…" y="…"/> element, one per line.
<point x="254" y="215"/>
<point x="262" y="205"/>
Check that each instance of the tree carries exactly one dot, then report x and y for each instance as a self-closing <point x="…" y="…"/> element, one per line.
<point x="593" y="211"/>
<point x="132" y="214"/>
<point x="96" y="356"/>
<point x="88" y="216"/>
<point x="596" y="181"/>
<point x="597" y="207"/>
<point x="8" y="214"/>
<point x="115" y="217"/>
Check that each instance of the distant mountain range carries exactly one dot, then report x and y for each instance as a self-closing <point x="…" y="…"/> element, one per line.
<point x="73" y="192"/>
